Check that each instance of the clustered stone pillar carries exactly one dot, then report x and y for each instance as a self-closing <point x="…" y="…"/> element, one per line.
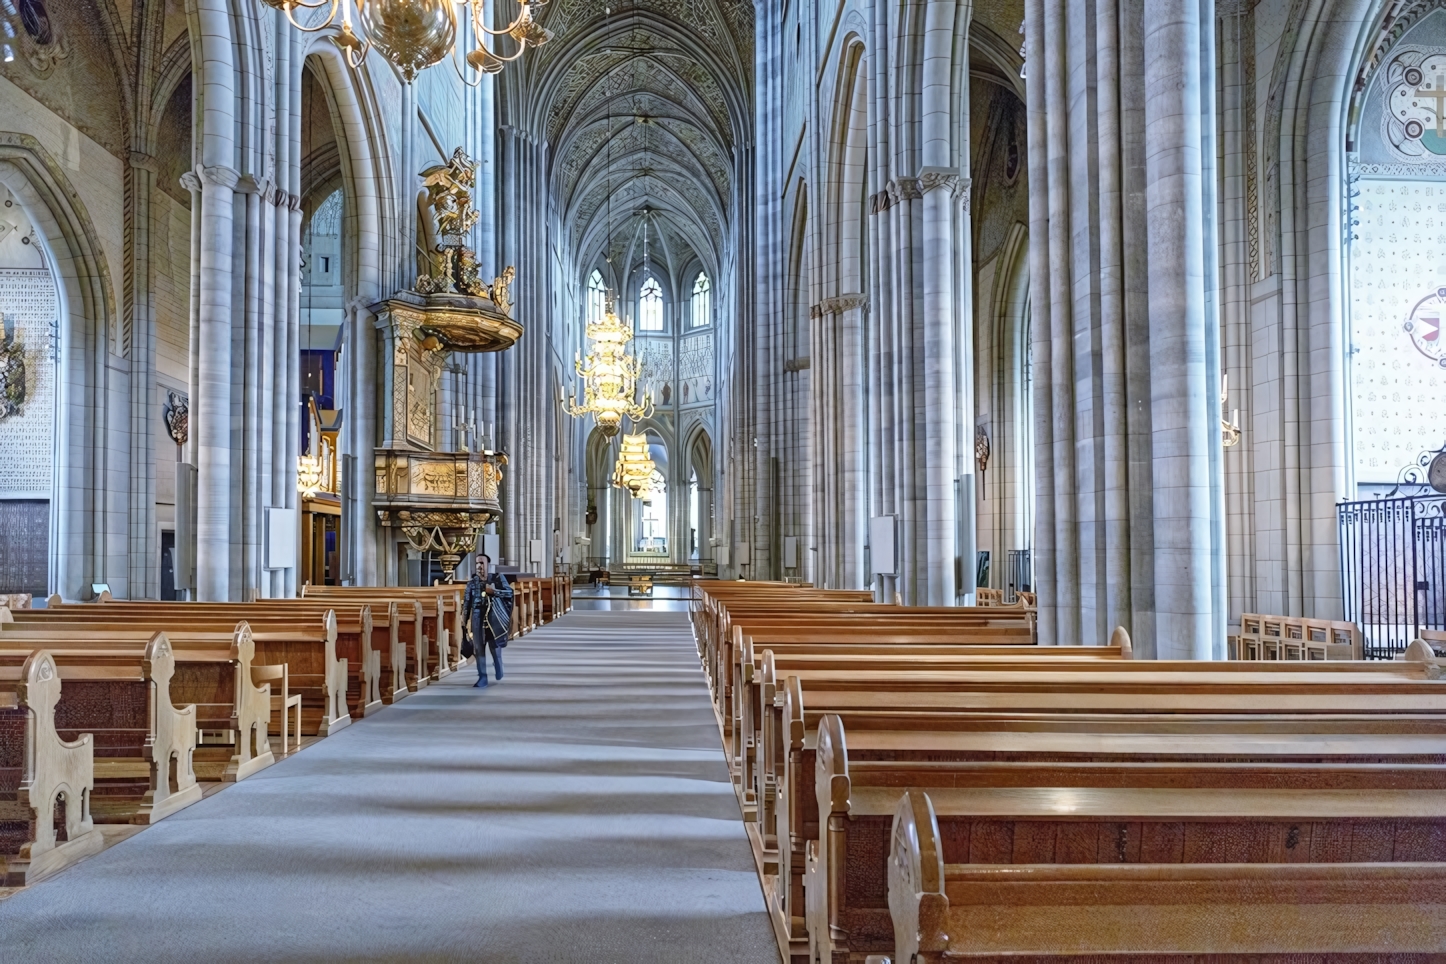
<point x="878" y="248"/>
<point x="245" y="302"/>
<point x="1126" y="353"/>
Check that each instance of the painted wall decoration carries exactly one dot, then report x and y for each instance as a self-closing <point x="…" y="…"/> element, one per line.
<point x="656" y="354"/>
<point x="695" y="369"/>
<point x="14" y="380"/>
<point x="28" y="303"/>
<point x="1398" y="276"/>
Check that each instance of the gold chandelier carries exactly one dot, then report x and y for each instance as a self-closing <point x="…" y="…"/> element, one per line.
<point x="610" y="378"/>
<point x="415" y="34"/>
<point x="634" y="469"/>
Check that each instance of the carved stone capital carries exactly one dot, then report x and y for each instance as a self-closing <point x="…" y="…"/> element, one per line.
<point x="220" y="176"/>
<point x="191" y="182"/>
<point x="815" y="311"/>
<point x="880" y="202"/>
<point x="250" y="184"/>
<point x="904" y="189"/>
<point x="144" y="161"/>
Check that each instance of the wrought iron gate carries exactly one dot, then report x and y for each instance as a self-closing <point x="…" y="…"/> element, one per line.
<point x="1393" y="569"/>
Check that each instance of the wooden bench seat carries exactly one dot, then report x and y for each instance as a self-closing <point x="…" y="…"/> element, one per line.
<point x="441" y="626"/>
<point x="1004" y="629"/>
<point x="120" y="694"/>
<point x="935" y="703"/>
<point x="45" y="781"/>
<point x="1337" y="897"/>
<point x="213" y="672"/>
<point x="360" y="639"/>
<point x="1086" y="799"/>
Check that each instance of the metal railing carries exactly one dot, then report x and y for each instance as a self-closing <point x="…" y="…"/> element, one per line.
<point x="1393" y="569"/>
<point x="1019" y="566"/>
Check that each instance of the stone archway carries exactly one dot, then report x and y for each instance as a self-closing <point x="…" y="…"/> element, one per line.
<point x="84" y="529"/>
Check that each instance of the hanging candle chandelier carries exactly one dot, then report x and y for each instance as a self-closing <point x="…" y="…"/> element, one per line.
<point x="415" y="34"/>
<point x="634" y="469"/>
<point x="610" y="377"/>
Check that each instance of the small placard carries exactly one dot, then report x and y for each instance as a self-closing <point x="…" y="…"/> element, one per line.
<point x="790" y="552"/>
<point x="280" y="538"/>
<point x="881" y="545"/>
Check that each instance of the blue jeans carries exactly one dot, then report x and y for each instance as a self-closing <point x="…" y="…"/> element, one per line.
<point x="482" y="647"/>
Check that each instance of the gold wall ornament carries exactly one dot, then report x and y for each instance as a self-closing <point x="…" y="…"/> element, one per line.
<point x="610" y="377"/>
<point x="416" y="34"/>
<point x="634" y="468"/>
<point x="308" y="475"/>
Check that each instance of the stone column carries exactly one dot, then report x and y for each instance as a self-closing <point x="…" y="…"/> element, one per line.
<point x="212" y="404"/>
<point x="1180" y="436"/>
<point x="141" y="178"/>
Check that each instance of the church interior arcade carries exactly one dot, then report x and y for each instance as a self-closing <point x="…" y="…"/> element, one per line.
<point x="1049" y="393"/>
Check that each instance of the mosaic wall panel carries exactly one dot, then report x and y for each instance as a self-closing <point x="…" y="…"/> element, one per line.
<point x="28" y="304"/>
<point x="1398" y="307"/>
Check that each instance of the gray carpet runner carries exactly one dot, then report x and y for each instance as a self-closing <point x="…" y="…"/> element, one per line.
<point x="580" y="811"/>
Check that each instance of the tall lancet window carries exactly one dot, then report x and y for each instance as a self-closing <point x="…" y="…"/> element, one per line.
<point x="597" y="296"/>
<point x="702" y="301"/>
<point x="650" y="306"/>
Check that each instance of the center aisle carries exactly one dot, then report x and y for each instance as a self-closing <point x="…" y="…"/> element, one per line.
<point x="579" y="811"/>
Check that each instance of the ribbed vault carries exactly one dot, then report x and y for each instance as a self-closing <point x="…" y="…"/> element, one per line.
<point x="642" y="106"/>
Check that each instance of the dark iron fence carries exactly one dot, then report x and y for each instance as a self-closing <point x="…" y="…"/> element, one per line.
<point x="1020" y="569"/>
<point x="1393" y="569"/>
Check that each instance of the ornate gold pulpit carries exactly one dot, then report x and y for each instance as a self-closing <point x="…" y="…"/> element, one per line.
<point x="439" y="500"/>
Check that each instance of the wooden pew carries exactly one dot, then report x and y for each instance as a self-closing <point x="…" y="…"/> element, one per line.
<point x="441" y="620"/>
<point x="1355" y="895"/>
<point x="45" y="782"/>
<point x="851" y="622"/>
<point x="846" y="861"/>
<point x="119" y="692"/>
<point x="359" y="640"/>
<point x="939" y="716"/>
<point x="213" y="672"/>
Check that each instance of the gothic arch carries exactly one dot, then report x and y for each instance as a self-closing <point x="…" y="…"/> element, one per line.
<point x="80" y="530"/>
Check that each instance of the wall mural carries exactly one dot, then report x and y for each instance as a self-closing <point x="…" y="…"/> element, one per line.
<point x="13" y="378"/>
<point x="1398" y="259"/>
<point x="28" y="304"/>
<point x="695" y="369"/>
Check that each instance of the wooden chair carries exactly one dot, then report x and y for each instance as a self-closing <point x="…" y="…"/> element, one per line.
<point x="284" y="701"/>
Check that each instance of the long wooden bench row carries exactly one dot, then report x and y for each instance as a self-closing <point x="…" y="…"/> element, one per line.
<point x="1140" y="803"/>
<point x="118" y="711"/>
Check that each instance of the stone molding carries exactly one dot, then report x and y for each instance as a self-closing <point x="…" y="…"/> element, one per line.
<point x="838" y="305"/>
<point x="933" y="178"/>
<point x="190" y="182"/>
<point x="144" y="161"/>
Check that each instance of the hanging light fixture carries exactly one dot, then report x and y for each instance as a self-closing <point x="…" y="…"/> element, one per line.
<point x="610" y="377"/>
<point x="609" y="374"/>
<point x="634" y="468"/>
<point x="415" y="34"/>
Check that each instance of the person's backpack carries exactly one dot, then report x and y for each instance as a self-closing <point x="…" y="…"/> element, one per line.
<point x="499" y="617"/>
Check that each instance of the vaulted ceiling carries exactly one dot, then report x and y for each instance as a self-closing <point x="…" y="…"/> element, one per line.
<point x="643" y="104"/>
